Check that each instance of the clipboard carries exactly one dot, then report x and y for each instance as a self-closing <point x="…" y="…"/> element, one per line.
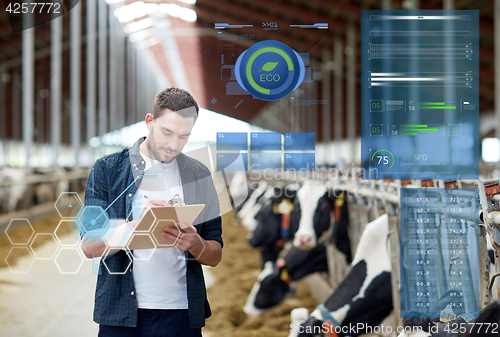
<point x="147" y="233"/>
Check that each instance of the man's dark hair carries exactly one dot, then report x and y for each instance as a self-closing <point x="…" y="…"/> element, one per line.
<point x="175" y="99"/>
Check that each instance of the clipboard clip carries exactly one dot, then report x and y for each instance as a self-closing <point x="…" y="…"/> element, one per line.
<point x="176" y="201"/>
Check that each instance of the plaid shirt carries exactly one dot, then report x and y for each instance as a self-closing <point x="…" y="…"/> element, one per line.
<point x="114" y="180"/>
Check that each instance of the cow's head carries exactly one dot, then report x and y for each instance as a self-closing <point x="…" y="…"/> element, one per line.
<point x="269" y="290"/>
<point x="316" y="204"/>
<point x="268" y="229"/>
<point x="250" y="221"/>
<point x="252" y="200"/>
<point x="272" y="284"/>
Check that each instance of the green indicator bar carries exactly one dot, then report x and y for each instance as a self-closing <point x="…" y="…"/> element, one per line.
<point x="413" y="126"/>
<point x="431" y="103"/>
<point x="408" y="130"/>
<point x="410" y="134"/>
<point x="438" y="107"/>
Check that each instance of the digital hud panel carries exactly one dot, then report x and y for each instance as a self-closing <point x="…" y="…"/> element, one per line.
<point x="439" y="252"/>
<point x="420" y="94"/>
<point x="253" y="72"/>
<point x="267" y="151"/>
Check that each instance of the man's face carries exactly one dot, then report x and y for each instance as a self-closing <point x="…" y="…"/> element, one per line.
<point x="168" y="134"/>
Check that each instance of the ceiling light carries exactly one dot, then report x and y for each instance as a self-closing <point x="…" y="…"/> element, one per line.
<point x="140" y="35"/>
<point x="138" y="25"/>
<point x="134" y="10"/>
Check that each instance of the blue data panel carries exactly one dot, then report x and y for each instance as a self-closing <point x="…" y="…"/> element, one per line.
<point x="232" y="141"/>
<point x="299" y="141"/>
<point x="265" y="141"/>
<point x="439" y="252"/>
<point x="420" y="94"/>
<point x="265" y="161"/>
<point x="299" y="162"/>
<point x="232" y="162"/>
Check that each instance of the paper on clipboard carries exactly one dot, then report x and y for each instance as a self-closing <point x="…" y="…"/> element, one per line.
<point x="157" y="218"/>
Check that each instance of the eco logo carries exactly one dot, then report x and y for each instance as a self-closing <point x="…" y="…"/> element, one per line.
<point x="269" y="70"/>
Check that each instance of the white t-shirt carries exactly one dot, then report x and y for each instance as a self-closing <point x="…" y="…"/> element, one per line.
<point x="160" y="280"/>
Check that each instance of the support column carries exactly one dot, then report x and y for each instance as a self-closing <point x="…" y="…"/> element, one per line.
<point x="112" y="70"/>
<point x="55" y="87"/>
<point x="131" y="84"/>
<point x="103" y="69"/>
<point x="39" y="114"/>
<point x="121" y="71"/>
<point x="75" y="78"/>
<point x="28" y="85"/>
<point x="16" y="105"/>
<point x="138" y="93"/>
<point x="3" y="104"/>
<point x="91" y="68"/>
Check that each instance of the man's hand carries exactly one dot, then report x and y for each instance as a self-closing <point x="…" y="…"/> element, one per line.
<point x="208" y="252"/>
<point x="186" y="238"/>
<point x="154" y="203"/>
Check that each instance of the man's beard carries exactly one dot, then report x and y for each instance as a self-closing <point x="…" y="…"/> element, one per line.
<point x="157" y="154"/>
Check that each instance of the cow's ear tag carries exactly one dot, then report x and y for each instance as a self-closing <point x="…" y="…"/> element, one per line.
<point x="340" y="200"/>
<point x="285" y="207"/>
<point x="276" y="209"/>
<point x="285" y="277"/>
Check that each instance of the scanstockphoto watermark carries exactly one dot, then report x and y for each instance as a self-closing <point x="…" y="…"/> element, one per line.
<point x="354" y="329"/>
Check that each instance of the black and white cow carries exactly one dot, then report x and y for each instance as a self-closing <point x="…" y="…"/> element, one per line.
<point x="277" y="223"/>
<point x="486" y="325"/>
<point x="250" y="221"/>
<point x="319" y="209"/>
<point x="252" y="201"/>
<point x="364" y="295"/>
<point x="240" y="189"/>
<point x="273" y="283"/>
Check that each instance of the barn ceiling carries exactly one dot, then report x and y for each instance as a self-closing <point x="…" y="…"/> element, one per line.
<point x="201" y="48"/>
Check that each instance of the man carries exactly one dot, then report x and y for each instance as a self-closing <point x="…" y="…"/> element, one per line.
<point x="161" y="292"/>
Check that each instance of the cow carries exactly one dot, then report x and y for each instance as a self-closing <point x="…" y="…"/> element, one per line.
<point x="315" y="206"/>
<point x="485" y="325"/>
<point x="240" y="189"/>
<point x="252" y="200"/>
<point x="276" y="224"/>
<point x="274" y="281"/>
<point x="13" y="193"/>
<point x="249" y="221"/>
<point x="364" y="295"/>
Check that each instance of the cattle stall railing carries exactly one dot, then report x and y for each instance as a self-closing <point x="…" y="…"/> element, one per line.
<point x="370" y="198"/>
<point x="28" y="194"/>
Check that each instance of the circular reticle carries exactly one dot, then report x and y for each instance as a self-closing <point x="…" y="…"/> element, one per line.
<point x="269" y="70"/>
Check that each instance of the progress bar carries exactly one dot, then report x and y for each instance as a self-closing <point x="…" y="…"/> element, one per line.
<point x="226" y="25"/>
<point x="316" y="25"/>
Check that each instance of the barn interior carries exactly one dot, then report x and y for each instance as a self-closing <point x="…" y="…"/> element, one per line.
<point x="77" y="86"/>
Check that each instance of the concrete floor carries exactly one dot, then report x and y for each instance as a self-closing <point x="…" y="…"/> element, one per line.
<point x="44" y="302"/>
